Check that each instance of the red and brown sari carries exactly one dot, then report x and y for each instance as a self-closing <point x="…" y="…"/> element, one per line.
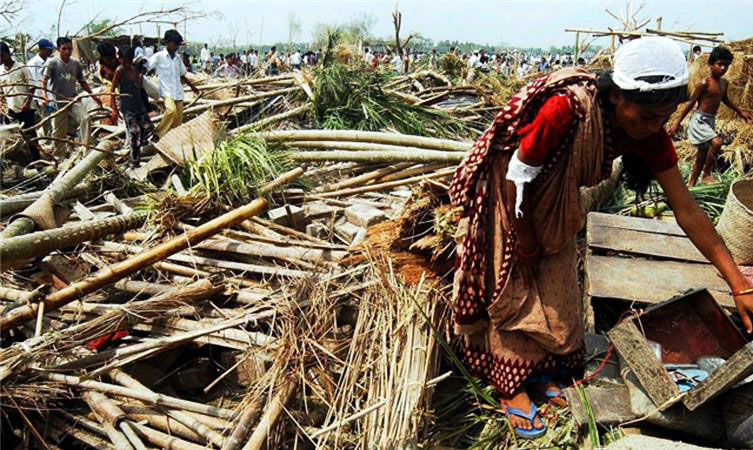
<point x="513" y="328"/>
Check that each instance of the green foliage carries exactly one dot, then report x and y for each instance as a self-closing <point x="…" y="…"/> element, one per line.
<point x="233" y="173"/>
<point x="710" y="197"/>
<point x="353" y="98"/>
<point x="97" y="26"/>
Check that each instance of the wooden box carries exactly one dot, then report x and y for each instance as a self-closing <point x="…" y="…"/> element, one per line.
<point x="687" y="327"/>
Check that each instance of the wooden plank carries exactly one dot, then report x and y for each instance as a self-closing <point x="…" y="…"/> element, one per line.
<point x="632" y="346"/>
<point x="669" y="227"/>
<point x="737" y="368"/>
<point x="643" y="243"/>
<point x="648" y="281"/>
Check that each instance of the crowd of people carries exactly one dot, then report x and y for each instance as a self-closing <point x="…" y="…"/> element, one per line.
<point x="249" y="62"/>
<point x="44" y="92"/>
<point x="507" y="63"/>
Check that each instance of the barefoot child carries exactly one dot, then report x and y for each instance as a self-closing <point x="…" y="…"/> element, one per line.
<point x="130" y="83"/>
<point x="709" y="94"/>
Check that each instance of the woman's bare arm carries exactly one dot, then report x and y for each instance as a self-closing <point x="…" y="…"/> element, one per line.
<point x="702" y="233"/>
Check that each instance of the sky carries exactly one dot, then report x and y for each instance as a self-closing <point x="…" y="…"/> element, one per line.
<point x="514" y="23"/>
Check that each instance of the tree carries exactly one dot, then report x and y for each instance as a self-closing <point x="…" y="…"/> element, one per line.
<point x="9" y="10"/>
<point x="294" y="28"/>
<point x="359" y="27"/>
<point x="96" y="26"/>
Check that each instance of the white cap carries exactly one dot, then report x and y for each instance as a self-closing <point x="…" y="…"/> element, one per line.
<point x="650" y="56"/>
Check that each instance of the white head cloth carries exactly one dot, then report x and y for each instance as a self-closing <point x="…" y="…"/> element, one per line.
<point x="650" y="56"/>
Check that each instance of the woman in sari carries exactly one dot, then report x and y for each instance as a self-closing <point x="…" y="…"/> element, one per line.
<point x="516" y="297"/>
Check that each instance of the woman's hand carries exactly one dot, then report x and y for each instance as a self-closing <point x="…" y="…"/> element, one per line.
<point x="744" y="304"/>
<point x="702" y="233"/>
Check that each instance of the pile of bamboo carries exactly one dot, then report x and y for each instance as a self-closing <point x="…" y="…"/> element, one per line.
<point x="134" y="316"/>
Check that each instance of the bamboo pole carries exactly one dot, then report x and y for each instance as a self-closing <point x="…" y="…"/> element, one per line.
<point x="387" y="185"/>
<point x="243" y="427"/>
<point x="124" y="268"/>
<point x="363" y="178"/>
<point x="162" y="440"/>
<point x="19" y="355"/>
<point x="17" y="295"/>
<point x="147" y="397"/>
<point x="110" y="416"/>
<point x="269" y="418"/>
<point x="367" y="156"/>
<point x="195" y="425"/>
<point x="160" y="420"/>
<point x="42" y="242"/>
<point x="119" y="353"/>
<point x="273" y="119"/>
<point x="19" y="202"/>
<point x="233" y="101"/>
<point x="58" y="190"/>
<point x="367" y="136"/>
<point x="418" y="170"/>
<point x="359" y="146"/>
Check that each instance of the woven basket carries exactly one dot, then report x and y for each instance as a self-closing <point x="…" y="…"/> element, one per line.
<point x="736" y="223"/>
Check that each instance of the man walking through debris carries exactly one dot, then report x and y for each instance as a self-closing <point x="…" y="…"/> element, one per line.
<point x="36" y="70"/>
<point x="16" y="87"/>
<point x="63" y="72"/>
<point x="171" y="72"/>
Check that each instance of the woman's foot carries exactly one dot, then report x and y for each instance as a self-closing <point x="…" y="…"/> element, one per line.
<point x="522" y="402"/>
<point x="552" y="391"/>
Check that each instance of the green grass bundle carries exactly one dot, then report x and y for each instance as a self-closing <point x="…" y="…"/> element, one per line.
<point x="236" y="169"/>
<point x="352" y="98"/>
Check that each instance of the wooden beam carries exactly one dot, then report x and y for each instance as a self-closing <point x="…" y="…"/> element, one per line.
<point x="649" y="281"/>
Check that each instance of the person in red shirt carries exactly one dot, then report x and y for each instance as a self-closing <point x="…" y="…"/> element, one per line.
<point x="516" y="300"/>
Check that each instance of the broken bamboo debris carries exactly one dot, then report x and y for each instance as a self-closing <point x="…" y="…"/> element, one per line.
<point x="124" y="268"/>
<point x="21" y="354"/>
<point x="368" y="176"/>
<point x="42" y="242"/>
<point x="111" y="417"/>
<point x="40" y="213"/>
<point x="151" y="398"/>
<point x="195" y="425"/>
<point x="19" y="202"/>
<point x="387" y="185"/>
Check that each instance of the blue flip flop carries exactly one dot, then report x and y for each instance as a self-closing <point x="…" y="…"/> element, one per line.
<point x="546" y="378"/>
<point x="531" y="417"/>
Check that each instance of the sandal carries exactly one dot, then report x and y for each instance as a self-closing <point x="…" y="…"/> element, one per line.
<point x="534" y="432"/>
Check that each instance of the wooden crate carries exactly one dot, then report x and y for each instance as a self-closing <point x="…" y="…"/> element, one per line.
<point x="687" y="327"/>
